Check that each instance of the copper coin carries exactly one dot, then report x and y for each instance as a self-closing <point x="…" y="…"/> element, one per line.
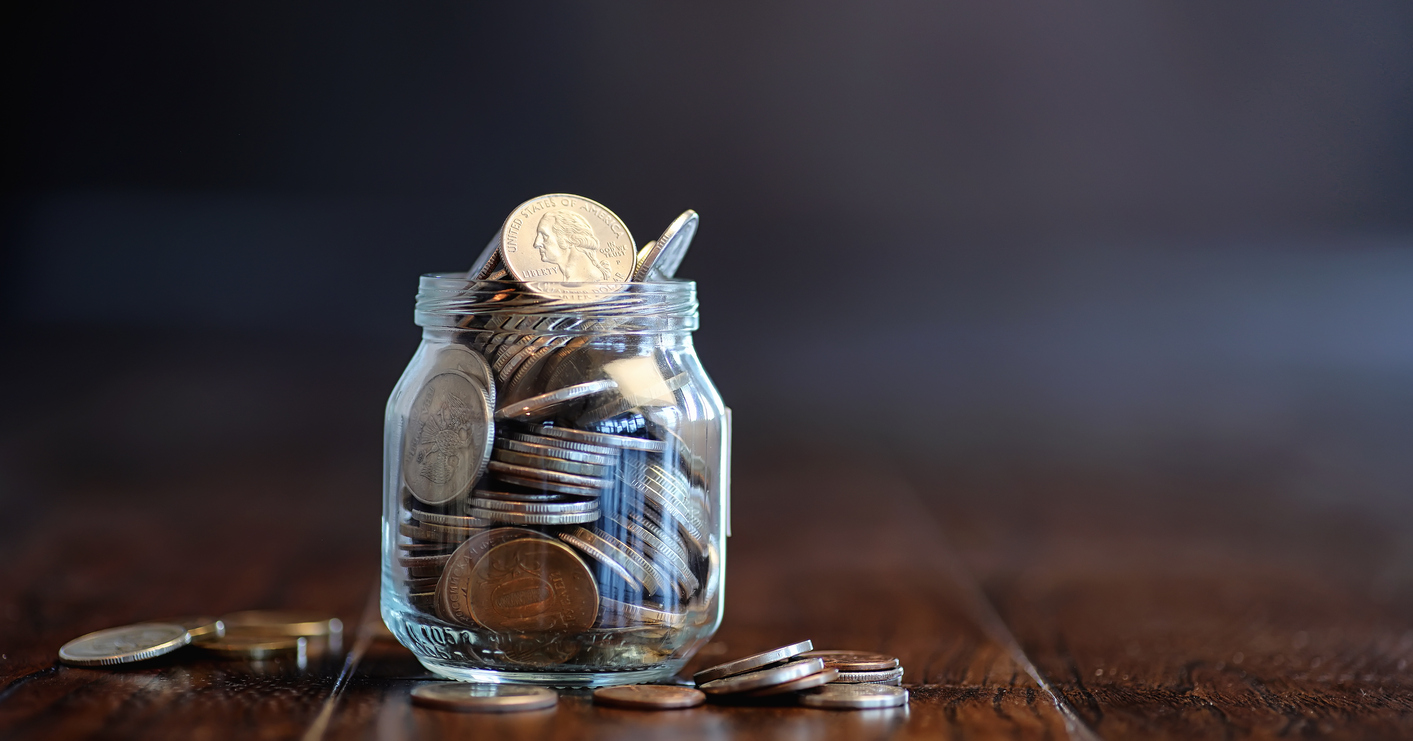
<point x="854" y="661"/>
<point x="854" y="697"/>
<point x="753" y="662"/>
<point x="649" y="697"/>
<point x="760" y="679"/>
<point x="454" y="585"/>
<point x="483" y="698"/>
<point x="533" y="585"/>
<point x="803" y="683"/>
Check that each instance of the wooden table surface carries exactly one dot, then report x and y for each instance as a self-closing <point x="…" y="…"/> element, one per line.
<point x="1026" y="599"/>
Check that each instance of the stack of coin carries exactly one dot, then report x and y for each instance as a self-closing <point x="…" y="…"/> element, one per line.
<point x="251" y="635"/>
<point x="798" y="668"/>
<point x="549" y="493"/>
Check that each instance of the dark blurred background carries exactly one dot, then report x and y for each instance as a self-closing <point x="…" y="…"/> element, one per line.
<point x="1122" y="232"/>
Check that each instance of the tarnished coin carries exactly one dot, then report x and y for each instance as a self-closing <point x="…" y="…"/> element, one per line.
<point x="534" y="518"/>
<point x="124" y="645"/>
<point x="552" y="464"/>
<point x="249" y="646"/>
<point x="519" y="496"/>
<point x="603" y="439"/>
<point x="533" y="585"/>
<point x="760" y="679"/>
<point x="854" y="697"/>
<point x="282" y="622"/>
<point x="538" y="407"/>
<point x="660" y="259"/>
<point x="554" y="451"/>
<point x="854" y="661"/>
<point x="437" y="518"/>
<point x="568" y="247"/>
<point x="885" y="676"/>
<point x="483" y="698"/>
<point x="454" y="584"/>
<point x="448" y="438"/>
<point x="803" y="683"/>
<point x="540" y="508"/>
<point x="649" y="697"/>
<point x="753" y="662"/>
<point x="538" y="474"/>
<point x="408" y="562"/>
<point x="602" y="450"/>
<point x="591" y="492"/>
<point x="200" y="628"/>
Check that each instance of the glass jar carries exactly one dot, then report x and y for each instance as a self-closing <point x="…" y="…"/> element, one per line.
<point x="556" y="478"/>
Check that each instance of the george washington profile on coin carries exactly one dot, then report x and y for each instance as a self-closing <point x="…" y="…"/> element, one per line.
<point x="566" y="241"/>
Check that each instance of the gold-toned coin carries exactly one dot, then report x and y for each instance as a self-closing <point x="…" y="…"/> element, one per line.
<point x="200" y="629"/>
<point x="453" y="587"/>
<point x="250" y="646"/>
<point x="124" y="645"/>
<point x="649" y="697"/>
<point x="530" y="585"/>
<point x="568" y="247"/>
<point x="482" y="698"/>
<point x="281" y="623"/>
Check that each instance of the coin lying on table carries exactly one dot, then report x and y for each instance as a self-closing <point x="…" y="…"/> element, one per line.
<point x="482" y="698"/>
<point x="888" y="676"/>
<point x="763" y="678"/>
<point x="854" y="697"/>
<point x="756" y="661"/>
<point x="803" y="683"/>
<point x="282" y="622"/>
<point x="200" y="628"/>
<point x="649" y="697"/>
<point x="854" y="661"/>
<point x="124" y="645"/>
<point x="247" y="646"/>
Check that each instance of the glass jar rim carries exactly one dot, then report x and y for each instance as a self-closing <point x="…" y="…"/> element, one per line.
<point x="453" y="300"/>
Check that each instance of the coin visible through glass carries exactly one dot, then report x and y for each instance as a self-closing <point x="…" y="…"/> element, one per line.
<point x="533" y="585"/>
<point x="448" y="438"/>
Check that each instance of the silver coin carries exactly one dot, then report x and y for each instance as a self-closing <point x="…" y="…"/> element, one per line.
<point x="595" y="547"/>
<point x="600" y="450"/>
<point x="803" y="683"/>
<point x="536" y="508"/>
<point x="649" y="697"/>
<point x="660" y="259"/>
<point x="673" y="543"/>
<point x="447" y="439"/>
<point x="653" y="579"/>
<point x="540" y="483"/>
<point x="522" y="496"/>
<point x="539" y="407"/>
<point x="753" y="662"/>
<point x="568" y="248"/>
<point x="760" y="679"/>
<point x="604" y="439"/>
<point x="484" y="698"/>
<point x="854" y="697"/>
<point x="552" y="464"/>
<point x="656" y="550"/>
<point x="124" y="645"/>
<point x="416" y="561"/>
<point x="854" y="661"/>
<point x="520" y="518"/>
<point x="553" y="451"/>
<point x="614" y="612"/>
<point x="437" y="518"/>
<point x="486" y="262"/>
<point x="540" y="474"/>
<point x="886" y="675"/>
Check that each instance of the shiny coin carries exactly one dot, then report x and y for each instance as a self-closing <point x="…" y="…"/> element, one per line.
<point x="124" y="645"/>
<point x="552" y="464"/>
<point x="539" y="407"/>
<point x="444" y="532"/>
<point x="521" y="496"/>
<point x="649" y="697"/>
<point x="533" y="585"/>
<point x="535" y="474"/>
<point x="282" y="622"/>
<point x="854" y="697"/>
<point x="853" y="661"/>
<point x="459" y="521"/>
<point x="408" y="562"/>
<point x="200" y="628"/>
<point x="257" y="646"/>
<point x="553" y="451"/>
<point x="523" y="518"/>
<point x="555" y="486"/>
<point x="760" y="679"/>
<point x="541" y="508"/>
<point x="486" y="262"/>
<point x="660" y="259"/>
<point x="568" y="247"/>
<point x="604" y="439"/>
<point x="610" y="453"/>
<point x="616" y="614"/>
<point x="454" y="584"/>
<point x="482" y="698"/>
<point x="658" y="551"/>
<point x="753" y="662"/>
<point x="888" y="675"/>
<point x="803" y="683"/>
<point x="448" y="438"/>
<point x="612" y="553"/>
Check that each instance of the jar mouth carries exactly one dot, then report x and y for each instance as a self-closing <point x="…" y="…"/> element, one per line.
<point x="452" y="300"/>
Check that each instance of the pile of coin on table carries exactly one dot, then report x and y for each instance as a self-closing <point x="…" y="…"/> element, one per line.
<point x="581" y="466"/>
<point x="831" y="680"/>
<point x="254" y="635"/>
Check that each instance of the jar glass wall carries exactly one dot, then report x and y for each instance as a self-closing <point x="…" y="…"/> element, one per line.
<point x="556" y="473"/>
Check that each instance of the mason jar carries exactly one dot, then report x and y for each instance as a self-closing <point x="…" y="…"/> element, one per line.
<point x="556" y="485"/>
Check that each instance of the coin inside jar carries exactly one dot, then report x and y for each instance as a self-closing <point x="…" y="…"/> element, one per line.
<point x="448" y="438"/>
<point x="649" y="697"/>
<point x="532" y="585"/>
<point x="484" y="698"/>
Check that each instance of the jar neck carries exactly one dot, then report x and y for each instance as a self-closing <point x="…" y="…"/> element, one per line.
<point x="452" y="302"/>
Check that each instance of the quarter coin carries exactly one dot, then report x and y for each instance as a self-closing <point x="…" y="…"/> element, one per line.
<point x="604" y="439"/>
<point x="124" y="645"/>
<point x="888" y="675"/>
<point x="482" y="698"/>
<point x="553" y="451"/>
<point x="659" y="260"/>
<point x="755" y="661"/>
<point x="540" y="508"/>
<point x="760" y="679"/>
<point x="568" y="247"/>
<point x="854" y="661"/>
<point x="854" y="697"/>
<point x="649" y="697"/>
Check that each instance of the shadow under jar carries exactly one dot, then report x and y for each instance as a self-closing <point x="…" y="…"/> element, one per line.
<point x="556" y="484"/>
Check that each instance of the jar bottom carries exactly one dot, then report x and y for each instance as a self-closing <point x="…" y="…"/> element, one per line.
<point x="553" y="679"/>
